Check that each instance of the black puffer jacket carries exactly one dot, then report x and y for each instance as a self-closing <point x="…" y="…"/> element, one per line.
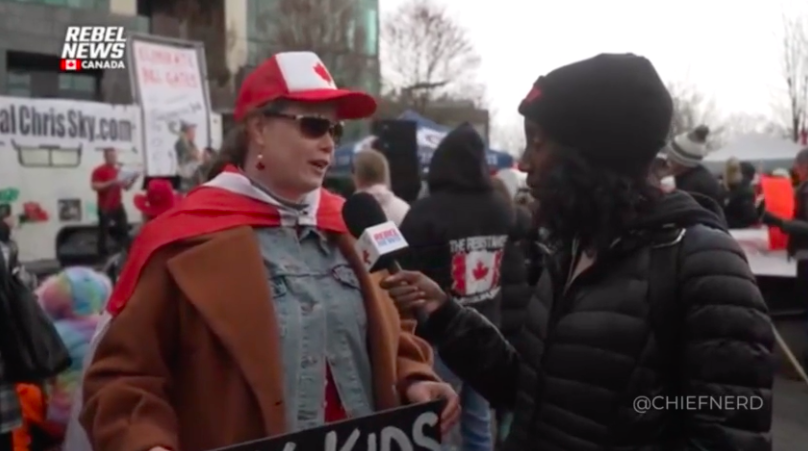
<point x="588" y="352"/>
<point x="516" y="266"/>
<point x="701" y="181"/>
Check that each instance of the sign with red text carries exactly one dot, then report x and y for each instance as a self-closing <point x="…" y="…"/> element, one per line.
<point x="169" y="84"/>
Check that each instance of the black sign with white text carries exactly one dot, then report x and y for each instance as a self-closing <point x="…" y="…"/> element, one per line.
<point x="409" y="428"/>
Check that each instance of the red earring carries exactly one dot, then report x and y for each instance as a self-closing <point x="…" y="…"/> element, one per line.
<point x="260" y="164"/>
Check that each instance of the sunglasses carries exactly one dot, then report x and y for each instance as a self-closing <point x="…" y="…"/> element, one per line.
<point x="313" y="126"/>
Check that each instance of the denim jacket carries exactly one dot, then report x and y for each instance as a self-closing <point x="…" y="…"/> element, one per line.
<point x="321" y="319"/>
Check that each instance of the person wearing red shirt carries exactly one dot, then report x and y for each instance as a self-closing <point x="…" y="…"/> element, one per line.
<point x="112" y="220"/>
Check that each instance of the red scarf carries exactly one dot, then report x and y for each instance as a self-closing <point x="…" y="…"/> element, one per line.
<point x="228" y="201"/>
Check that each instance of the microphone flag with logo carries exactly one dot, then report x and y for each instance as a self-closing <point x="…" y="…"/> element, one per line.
<point x="379" y="241"/>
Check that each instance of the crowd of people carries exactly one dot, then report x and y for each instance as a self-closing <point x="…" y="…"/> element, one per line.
<point x="737" y="191"/>
<point x="243" y="310"/>
<point x="34" y="414"/>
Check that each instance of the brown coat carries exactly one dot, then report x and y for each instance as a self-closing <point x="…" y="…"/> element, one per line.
<point x="191" y="363"/>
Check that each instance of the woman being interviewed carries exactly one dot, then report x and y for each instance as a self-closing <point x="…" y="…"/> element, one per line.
<point x="245" y="312"/>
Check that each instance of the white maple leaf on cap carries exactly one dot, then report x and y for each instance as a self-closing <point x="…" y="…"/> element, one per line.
<point x="304" y="71"/>
<point x="299" y="76"/>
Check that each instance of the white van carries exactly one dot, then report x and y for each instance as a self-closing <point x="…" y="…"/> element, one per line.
<point x="48" y="150"/>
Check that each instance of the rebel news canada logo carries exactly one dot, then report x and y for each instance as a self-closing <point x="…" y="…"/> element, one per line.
<point x="88" y="48"/>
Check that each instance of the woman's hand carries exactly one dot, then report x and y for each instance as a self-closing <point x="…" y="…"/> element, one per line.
<point x="425" y="391"/>
<point x="412" y="289"/>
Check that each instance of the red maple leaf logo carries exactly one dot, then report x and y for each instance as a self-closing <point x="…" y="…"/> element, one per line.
<point x="366" y="257"/>
<point x="480" y="271"/>
<point x="320" y="70"/>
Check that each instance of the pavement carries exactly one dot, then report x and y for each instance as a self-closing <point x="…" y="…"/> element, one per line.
<point x="790" y="428"/>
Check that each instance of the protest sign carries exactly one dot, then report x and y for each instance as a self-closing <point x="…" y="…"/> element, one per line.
<point x="409" y="428"/>
<point x="169" y="83"/>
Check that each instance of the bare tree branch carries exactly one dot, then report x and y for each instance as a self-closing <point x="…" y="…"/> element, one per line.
<point x="795" y="72"/>
<point x="741" y="124"/>
<point x="330" y="28"/>
<point x="692" y="108"/>
<point x="427" y="56"/>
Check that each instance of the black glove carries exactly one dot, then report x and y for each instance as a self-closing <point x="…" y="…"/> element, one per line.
<point x="771" y="220"/>
<point x="760" y="207"/>
<point x="795" y="227"/>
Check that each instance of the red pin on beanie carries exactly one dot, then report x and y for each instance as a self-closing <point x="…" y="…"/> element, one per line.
<point x="532" y="95"/>
<point x="299" y="76"/>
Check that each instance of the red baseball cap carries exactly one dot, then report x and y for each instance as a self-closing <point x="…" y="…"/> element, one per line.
<point x="300" y="76"/>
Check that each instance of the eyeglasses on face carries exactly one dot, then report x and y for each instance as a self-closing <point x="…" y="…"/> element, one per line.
<point x="312" y="126"/>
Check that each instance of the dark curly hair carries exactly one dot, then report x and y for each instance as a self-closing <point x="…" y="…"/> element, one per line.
<point x="578" y="200"/>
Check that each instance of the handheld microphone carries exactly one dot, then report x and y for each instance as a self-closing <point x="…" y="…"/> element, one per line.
<point x="378" y="241"/>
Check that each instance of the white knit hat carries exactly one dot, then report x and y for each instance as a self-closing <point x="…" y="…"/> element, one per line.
<point x="688" y="149"/>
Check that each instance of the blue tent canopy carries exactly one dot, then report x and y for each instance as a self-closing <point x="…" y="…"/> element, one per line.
<point x="430" y="134"/>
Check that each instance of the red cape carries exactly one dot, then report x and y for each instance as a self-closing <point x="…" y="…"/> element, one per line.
<point x="208" y="210"/>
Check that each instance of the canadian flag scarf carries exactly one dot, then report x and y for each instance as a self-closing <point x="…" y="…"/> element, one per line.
<point x="229" y="200"/>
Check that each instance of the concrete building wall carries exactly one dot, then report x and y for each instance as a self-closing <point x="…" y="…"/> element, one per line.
<point x="123" y="7"/>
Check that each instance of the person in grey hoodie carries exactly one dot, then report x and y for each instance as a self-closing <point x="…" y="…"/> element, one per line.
<point x="371" y="174"/>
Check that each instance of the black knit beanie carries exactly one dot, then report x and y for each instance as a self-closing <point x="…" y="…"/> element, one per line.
<point x="613" y="108"/>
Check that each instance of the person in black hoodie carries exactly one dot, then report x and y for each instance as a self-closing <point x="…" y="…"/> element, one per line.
<point x="647" y="330"/>
<point x="457" y="236"/>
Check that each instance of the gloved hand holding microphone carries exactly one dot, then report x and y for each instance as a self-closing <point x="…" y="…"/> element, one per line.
<point x="379" y="243"/>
